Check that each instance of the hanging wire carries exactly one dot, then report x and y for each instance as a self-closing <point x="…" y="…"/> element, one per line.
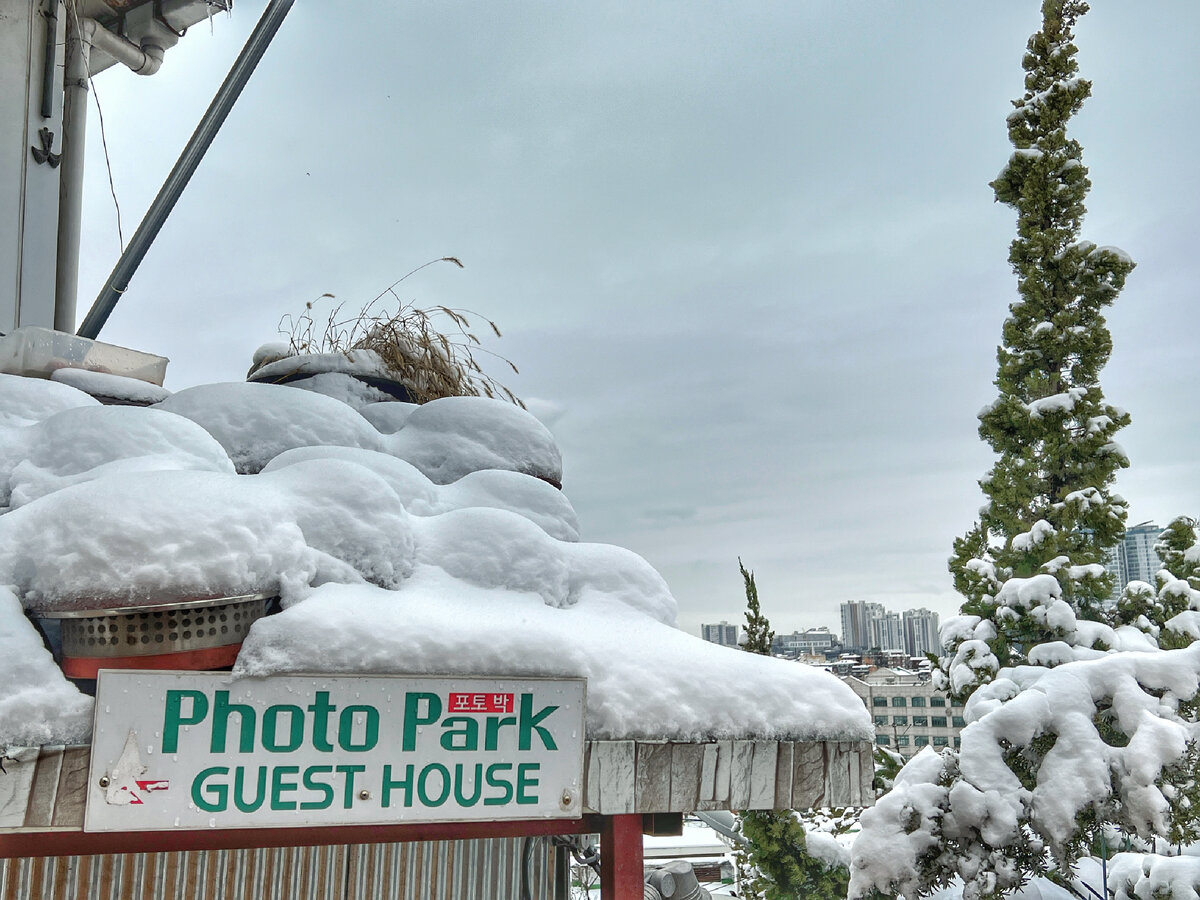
<point x="112" y="188"/>
<point x="73" y="9"/>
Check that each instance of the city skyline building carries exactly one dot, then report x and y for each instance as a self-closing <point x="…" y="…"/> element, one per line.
<point x="720" y="633"/>
<point x="856" y="623"/>
<point x="920" y="627"/>
<point x="1134" y="558"/>
<point x="866" y="626"/>
<point x="886" y="633"/>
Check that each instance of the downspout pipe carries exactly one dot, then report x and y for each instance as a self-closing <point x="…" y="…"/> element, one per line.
<point x="82" y="36"/>
<point x="214" y="117"/>
<point x="49" y="60"/>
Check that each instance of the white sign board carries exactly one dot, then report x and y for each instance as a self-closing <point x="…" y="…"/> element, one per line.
<point x="205" y="750"/>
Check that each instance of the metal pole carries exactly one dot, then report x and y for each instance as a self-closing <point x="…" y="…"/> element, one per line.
<point x="70" y="192"/>
<point x="621" y="861"/>
<point x="188" y="160"/>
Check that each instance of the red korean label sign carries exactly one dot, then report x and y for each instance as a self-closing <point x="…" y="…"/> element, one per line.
<point x="480" y="703"/>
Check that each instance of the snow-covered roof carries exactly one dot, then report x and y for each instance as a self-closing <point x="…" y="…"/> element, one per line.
<point x="430" y="540"/>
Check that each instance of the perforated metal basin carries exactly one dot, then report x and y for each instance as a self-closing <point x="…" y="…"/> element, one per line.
<point x="188" y="634"/>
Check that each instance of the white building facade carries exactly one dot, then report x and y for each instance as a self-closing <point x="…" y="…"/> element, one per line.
<point x="813" y="642"/>
<point x="909" y="715"/>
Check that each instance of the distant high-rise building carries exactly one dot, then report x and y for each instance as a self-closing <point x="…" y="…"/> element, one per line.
<point x="856" y="624"/>
<point x="722" y="633"/>
<point x="885" y="631"/>
<point x="920" y="628"/>
<point x="1134" y="558"/>
<point x="1141" y="562"/>
<point x="1114" y="564"/>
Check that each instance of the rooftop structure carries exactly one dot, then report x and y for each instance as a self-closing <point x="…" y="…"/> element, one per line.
<point x="48" y="50"/>
<point x="813" y="642"/>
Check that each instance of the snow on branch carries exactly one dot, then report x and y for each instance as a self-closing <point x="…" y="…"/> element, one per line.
<point x="1137" y="876"/>
<point x="1048" y="755"/>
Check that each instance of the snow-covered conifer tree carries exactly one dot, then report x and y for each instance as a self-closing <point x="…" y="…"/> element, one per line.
<point x="1178" y="549"/>
<point x="1177" y="603"/>
<point x="1156" y="608"/>
<point x="1031" y="567"/>
<point x="1065" y="739"/>
<point x="775" y="863"/>
<point x="759" y="636"/>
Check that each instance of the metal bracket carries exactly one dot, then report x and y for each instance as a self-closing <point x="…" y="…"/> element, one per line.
<point x="43" y="154"/>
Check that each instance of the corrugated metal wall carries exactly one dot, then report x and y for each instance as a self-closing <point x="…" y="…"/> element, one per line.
<point x="488" y="869"/>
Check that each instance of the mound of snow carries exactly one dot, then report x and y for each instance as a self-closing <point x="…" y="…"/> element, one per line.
<point x="451" y="437"/>
<point x="1138" y="876"/>
<point x="24" y="401"/>
<point x="828" y="849"/>
<point x="413" y="540"/>
<point x="345" y="388"/>
<point x="114" y="387"/>
<point x="90" y="442"/>
<point x="270" y="352"/>
<point x="524" y="495"/>
<point x="537" y="501"/>
<point x="149" y="536"/>
<point x="37" y="704"/>
<point x="418" y="494"/>
<point x="257" y="422"/>
<point x="285" y="364"/>
<point x="387" y="417"/>
<point x="645" y="678"/>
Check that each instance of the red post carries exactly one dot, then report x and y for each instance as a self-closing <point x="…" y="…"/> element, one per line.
<point x="621" y="875"/>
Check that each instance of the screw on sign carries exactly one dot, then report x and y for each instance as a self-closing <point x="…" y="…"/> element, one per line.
<point x="122" y="785"/>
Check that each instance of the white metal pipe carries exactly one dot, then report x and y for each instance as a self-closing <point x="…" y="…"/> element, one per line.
<point x="70" y="191"/>
<point x="143" y="60"/>
<point x="84" y="35"/>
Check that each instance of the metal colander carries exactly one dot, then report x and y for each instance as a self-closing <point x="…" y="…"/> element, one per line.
<point x="160" y="628"/>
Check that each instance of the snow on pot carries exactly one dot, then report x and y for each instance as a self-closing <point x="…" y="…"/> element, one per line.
<point x="355" y="377"/>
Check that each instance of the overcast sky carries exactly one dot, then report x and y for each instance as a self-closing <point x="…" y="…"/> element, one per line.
<point x="744" y="254"/>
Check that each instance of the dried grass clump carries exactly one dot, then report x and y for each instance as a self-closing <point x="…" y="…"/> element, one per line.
<point x="429" y="361"/>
